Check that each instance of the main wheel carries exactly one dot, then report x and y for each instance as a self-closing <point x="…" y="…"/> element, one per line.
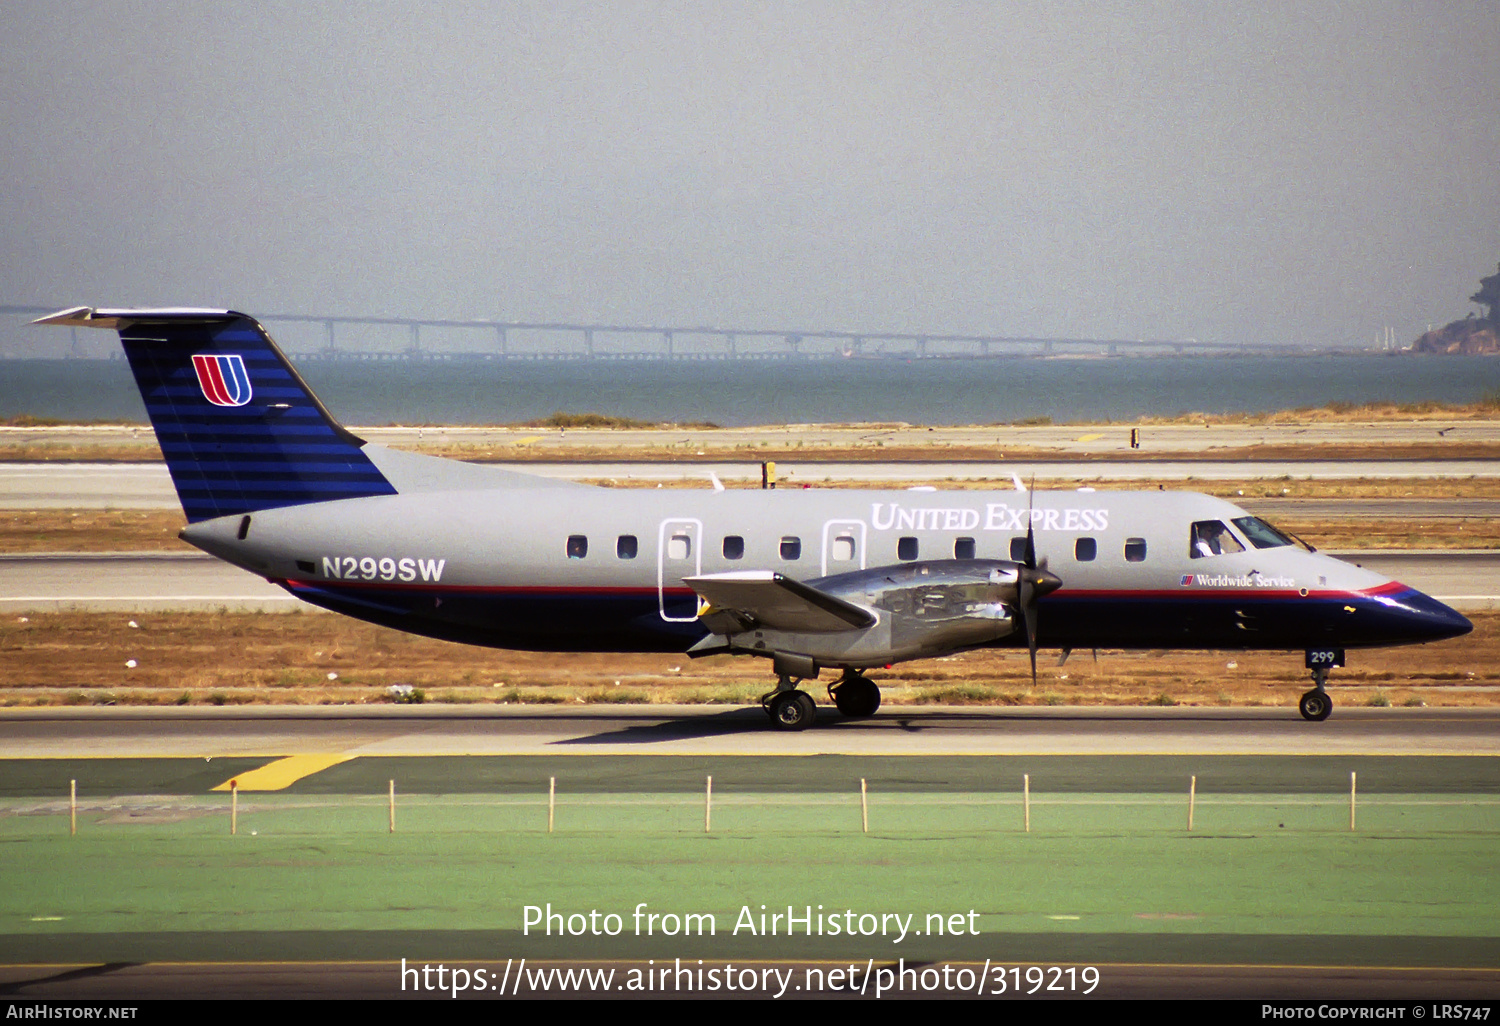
<point x="792" y="710"/>
<point x="857" y="697"/>
<point x="1315" y="705"/>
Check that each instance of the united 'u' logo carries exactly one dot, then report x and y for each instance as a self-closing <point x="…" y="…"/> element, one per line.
<point x="223" y="379"/>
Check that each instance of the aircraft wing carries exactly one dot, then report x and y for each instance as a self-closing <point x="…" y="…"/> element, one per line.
<point x="764" y="598"/>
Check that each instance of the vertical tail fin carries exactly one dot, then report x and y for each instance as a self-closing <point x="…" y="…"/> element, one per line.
<point x="239" y="428"/>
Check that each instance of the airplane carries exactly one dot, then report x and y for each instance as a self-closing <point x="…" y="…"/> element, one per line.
<point x="812" y="580"/>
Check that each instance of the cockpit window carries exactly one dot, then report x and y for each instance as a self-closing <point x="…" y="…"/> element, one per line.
<point x="1212" y="538"/>
<point x="1261" y="534"/>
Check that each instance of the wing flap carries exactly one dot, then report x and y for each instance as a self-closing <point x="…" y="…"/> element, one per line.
<point x="764" y="598"/>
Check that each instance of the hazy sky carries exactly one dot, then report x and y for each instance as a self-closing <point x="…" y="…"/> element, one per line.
<point x="1288" y="171"/>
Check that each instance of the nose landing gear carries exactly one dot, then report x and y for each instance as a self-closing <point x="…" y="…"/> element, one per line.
<point x="1315" y="705"/>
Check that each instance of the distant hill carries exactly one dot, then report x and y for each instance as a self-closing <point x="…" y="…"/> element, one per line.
<point x="1472" y="336"/>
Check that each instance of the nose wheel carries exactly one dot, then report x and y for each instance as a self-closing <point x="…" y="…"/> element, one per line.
<point x="1315" y="705"/>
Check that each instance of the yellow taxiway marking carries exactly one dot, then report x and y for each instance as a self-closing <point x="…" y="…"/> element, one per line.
<point x="528" y="440"/>
<point x="283" y="773"/>
<point x="1088" y="438"/>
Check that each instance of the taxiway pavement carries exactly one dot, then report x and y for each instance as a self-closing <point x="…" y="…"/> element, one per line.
<point x="1082" y="439"/>
<point x="148" y="485"/>
<point x="406" y="732"/>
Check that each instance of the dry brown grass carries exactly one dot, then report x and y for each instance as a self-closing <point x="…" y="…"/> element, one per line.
<point x="1232" y="489"/>
<point x="1347" y="413"/>
<point x="42" y="449"/>
<point x="845" y="452"/>
<point x="90" y="530"/>
<point x="1355" y="533"/>
<point x="830" y="452"/>
<point x="241" y="658"/>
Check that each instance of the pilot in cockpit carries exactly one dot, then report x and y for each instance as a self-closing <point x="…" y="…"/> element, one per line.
<point x="1212" y="538"/>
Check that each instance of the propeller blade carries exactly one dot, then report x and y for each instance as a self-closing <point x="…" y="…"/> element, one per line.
<point x="1030" y="528"/>
<point x="1033" y="582"/>
<point x="1031" y="640"/>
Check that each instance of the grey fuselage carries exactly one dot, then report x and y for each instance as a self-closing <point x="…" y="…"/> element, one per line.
<point x="529" y="564"/>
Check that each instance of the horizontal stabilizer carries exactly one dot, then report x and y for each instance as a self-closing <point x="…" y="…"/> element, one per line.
<point x="764" y="598"/>
<point x="89" y="317"/>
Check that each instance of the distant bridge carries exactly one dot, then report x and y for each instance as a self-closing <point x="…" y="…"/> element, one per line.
<point x="529" y="340"/>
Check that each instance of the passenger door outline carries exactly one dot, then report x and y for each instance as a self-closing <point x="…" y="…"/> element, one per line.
<point x="677" y="568"/>
<point x="833" y="529"/>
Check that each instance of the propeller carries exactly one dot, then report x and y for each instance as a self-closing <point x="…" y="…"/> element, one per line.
<point x="1033" y="582"/>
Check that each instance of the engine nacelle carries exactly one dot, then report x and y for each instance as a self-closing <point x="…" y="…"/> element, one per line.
<point x="920" y="609"/>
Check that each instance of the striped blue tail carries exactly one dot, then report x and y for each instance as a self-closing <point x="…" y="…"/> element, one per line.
<point x="239" y="428"/>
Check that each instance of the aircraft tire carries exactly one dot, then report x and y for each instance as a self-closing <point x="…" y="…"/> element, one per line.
<point x="793" y="710"/>
<point x="857" y="697"/>
<point x="1315" y="706"/>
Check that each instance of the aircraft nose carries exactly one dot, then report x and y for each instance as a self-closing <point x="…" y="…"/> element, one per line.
<point x="1424" y="618"/>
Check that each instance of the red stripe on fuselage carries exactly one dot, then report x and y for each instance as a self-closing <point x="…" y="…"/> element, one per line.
<point x="475" y="589"/>
<point x="1238" y="594"/>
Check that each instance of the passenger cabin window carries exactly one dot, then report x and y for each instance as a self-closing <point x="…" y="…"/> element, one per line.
<point x="1085" y="549"/>
<point x="578" y="546"/>
<point x="842" y="548"/>
<point x="963" y="548"/>
<point x="1212" y="538"/>
<point x="1135" y="550"/>
<point x="1018" y="549"/>
<point x="791" y="548"/>
<point x="1261" y="534"/>
<point x="626" y="546"/>
<point x="906" y="548"/>
<point x="734" y="547"/>
<point x="680" y="546"/>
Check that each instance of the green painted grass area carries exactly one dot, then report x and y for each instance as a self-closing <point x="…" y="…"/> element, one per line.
<point x="756" y="775"/>
<point x="1419" y="866"/>
<point x="683" y="812"/>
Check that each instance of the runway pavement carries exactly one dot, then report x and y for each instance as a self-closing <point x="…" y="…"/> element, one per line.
<point x="148" y="486"/>
<point x="1077" y="438"/>
<point x="134" y="582"/>
<point x="596" y="731"/>
<point x="182" y="581"/>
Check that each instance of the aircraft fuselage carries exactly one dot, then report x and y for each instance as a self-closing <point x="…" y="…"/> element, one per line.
<point x="603" y="569"/>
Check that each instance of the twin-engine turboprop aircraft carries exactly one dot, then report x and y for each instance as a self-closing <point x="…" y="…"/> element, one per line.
<point x="811" y="580"/>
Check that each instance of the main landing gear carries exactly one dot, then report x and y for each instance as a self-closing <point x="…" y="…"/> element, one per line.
<point x="791" y="708"/>
<point x="854" y="695"/>
<point x="788" y="707"/>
